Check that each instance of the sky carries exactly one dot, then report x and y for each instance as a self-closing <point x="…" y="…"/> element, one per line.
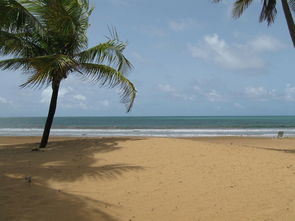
<point x="190" y="58"/>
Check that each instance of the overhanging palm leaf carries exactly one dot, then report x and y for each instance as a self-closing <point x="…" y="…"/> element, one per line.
<point x="48" y="41"/>
<point x="268" y="12"/>
<point x="15" y="63"/>
<point x="16" y="16"/>
<point x="110" y="52"/>
<point x="292" y="4"/>
<point x="239" y="7"/>
<point x="42" y="70"/>
<point x="20" y="44"/>
<point x="106" y="75"/>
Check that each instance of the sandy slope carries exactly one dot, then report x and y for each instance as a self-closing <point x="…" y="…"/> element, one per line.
<point x="145" y="179"/>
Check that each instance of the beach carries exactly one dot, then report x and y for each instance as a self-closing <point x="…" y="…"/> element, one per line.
<point x="137" y="178"/>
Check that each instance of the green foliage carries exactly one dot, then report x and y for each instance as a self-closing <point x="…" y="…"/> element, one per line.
<point x="48" y="41"/>
<point x="268" y="11"/>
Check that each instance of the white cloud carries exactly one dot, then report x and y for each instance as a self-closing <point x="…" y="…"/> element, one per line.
<point x="213" y="96"/>
<point x="105" y="103"/>
<point x="64" y="91"/>
<point x="138" y="57"/>
<point x="238" y="105"/>
<point x="79" y="97"/>
<point x="234" y="56"/>
<point x="122" y="3"/>
<point x="260" y="93"/>
<point x="195" y="92"/>
<point x="266" y="43"/>
<point x="209" y="94"/>
<point x="46" y="93"/>
<point x="4" y="101"/>
<point x="183" y="24"/>
<point x="172" y="91"/>
<point x="78" y="100"/>
<point x="289" y="93"/>
<point x="154" y="31"/>
<point x="67" y="100"/>
<point x="256" y="91"/>
<point x="166" y="88"/>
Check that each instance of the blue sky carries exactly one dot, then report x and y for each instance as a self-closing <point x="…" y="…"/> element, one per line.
<point x="190" y="58"/>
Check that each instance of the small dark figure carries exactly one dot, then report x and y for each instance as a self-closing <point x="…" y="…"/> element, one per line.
<point x="28" y="179"/>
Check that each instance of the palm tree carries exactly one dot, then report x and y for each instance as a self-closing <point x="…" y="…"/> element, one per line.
<point x="268" y="12"/>
<point x="47" y="40"/>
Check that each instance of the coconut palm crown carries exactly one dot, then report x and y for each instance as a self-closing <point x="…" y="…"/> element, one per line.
<point x="268" y="12"/>
<point x="47" y="40"/>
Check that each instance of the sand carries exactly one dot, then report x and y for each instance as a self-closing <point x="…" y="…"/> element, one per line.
<point x="145" y="179"/>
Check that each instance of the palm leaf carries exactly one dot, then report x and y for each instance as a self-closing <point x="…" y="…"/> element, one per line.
<point x="50" y="56"/>
<point x="106" y="75"/>
<point x="292" y="4"/>
<point x="38" y="79"/>
<point x="19" y="44"/>
<point x="42" y="69"/>
<point x="67" y="23"/>
<point x="239" y="7"/>
<point x="15" y="16"/>
<point x="15" y="63"/>
<point x="56" y="67"/>
<point x="110" y="52"/>
<point x="268" y="12"/>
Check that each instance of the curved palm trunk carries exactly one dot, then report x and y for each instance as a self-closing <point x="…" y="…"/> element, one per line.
<point x="289" y="19"/>
<point x="51" y="112"/>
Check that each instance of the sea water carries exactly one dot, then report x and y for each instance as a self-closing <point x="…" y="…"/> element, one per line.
<point x="259" y="126"/>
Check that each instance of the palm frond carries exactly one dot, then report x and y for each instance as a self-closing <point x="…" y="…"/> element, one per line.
<point x="56" y="65"/>
<point x="239" y="7"/>
<point x="49" y="55"/>
<point x="16" y="16"/>
<point x="67" y="22"/>
<point x="268" y="12"/>
<point x="292" y="4"/>
<point x="105" y="75"/>
<point x="42" y="69"/>
<point x="47" y="69"/>
<point x="15" y="63"/>
<point x="19" y="44"/>
<point x="110" y="52"/>
<point x="38" y="79"/>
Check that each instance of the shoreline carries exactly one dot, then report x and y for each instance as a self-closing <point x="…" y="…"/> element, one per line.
<point x="143" y="178"/>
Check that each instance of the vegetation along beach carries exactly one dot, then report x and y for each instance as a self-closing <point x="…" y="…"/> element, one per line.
<point x="206" y="131"/>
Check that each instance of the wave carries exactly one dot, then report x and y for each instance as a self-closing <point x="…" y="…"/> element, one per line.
<point x="261" y="132"/>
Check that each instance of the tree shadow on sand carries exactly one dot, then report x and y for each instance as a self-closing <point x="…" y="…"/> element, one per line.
<point x="280" y="147"/>
<point x="64" y="161"/>
<point x="292" y="151"/>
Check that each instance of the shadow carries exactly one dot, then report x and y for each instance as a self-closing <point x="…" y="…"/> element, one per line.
<point x="24" y="201"/>
<point x="62" y="161"/>
<point x="66" y="160"/>
<point x="292" y="151"/>
<point x="231" y="141"/>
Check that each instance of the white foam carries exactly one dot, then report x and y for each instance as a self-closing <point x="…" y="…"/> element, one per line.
<point x="262" y="132"/>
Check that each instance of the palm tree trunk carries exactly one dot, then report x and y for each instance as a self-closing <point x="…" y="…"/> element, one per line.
<point x="289" y="19"/>
<point x="51" y="112"/>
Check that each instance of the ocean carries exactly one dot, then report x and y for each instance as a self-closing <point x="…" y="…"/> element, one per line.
<point x="257" y="126"/>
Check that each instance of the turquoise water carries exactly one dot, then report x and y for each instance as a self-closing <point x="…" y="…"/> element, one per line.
<point x="152" y="126"/>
